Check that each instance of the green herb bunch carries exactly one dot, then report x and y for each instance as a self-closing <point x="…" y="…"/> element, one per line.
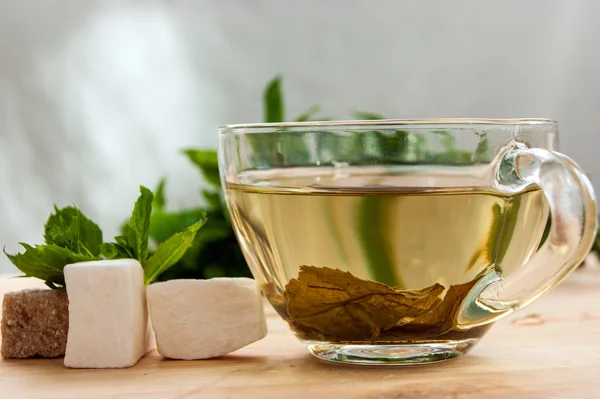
<point x="71" y="237"/>
<point x="215" y="251"/>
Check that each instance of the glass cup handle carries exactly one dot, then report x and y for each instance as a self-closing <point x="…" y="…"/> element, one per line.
<point x="573" y="227"/>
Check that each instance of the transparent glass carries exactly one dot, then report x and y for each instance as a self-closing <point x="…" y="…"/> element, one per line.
<point x="402" y="241"/>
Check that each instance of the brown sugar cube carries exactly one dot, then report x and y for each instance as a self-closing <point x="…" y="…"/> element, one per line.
<point x="34" y="323"/>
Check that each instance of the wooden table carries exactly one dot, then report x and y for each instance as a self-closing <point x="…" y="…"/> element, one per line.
<point x="550" y="350"/>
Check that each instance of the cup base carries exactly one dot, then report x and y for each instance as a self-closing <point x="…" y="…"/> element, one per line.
<point x="391" y="354"/>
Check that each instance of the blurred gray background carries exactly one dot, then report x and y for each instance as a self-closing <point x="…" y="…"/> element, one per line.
<point x="97" y="97"/>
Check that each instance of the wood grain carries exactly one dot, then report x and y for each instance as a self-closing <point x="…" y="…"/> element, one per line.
<point x="549" y="350"/>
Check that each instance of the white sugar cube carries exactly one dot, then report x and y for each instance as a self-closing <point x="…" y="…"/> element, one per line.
<point x="108" y="314"/>
<point x="200" y="319"/>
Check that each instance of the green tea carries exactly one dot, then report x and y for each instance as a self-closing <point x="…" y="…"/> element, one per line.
<point x="382" y="226"/>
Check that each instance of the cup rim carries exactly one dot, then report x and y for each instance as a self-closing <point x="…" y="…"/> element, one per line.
<point x="242" y="128"/>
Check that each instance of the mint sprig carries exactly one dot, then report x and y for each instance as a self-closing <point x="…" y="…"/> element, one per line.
<point x="133" y="243"/>
<point x="70" y="237"/>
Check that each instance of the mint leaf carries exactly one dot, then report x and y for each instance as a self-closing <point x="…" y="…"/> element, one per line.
<point x="47" y="262"/>
<point x="216" y="230"/>
<point x="448" y="139"/>
<point x="482" y="153"/>
<point x="208" y="163"/>
<point x="309" y="113"/>
<point x="70" y="238"/>
<point x="170" y="251"/>
<point x="264" y="145"/>
<point x="111" y="250"/>
<point x="392" y="145"/>
<point x="70" y="228"/>
<point x="135" y="234"/>
<point x="164" y="224"/>
<point x="273" y="102"/>
<point x="294" y="148"/>
<point x="159" y="201"/>
<point x="214" y="243"/>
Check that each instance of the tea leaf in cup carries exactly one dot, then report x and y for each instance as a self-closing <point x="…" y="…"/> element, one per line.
<point x="443" y="316"/>
<point x="340" y="305"/>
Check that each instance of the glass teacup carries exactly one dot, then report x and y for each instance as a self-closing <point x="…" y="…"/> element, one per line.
<point x="402" y="241"/>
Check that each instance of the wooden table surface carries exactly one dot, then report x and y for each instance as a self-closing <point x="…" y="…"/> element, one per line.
<point x="549" y="350"/>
